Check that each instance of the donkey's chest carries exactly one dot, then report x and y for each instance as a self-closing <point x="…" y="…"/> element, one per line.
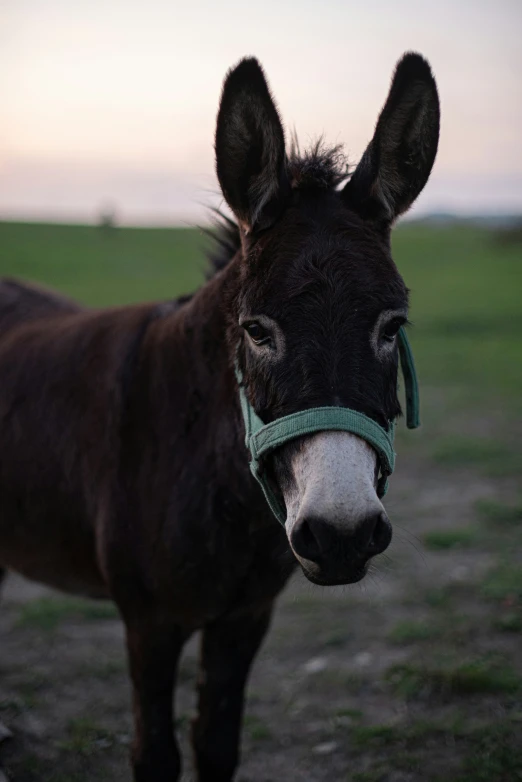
<point x="208" y="575"/>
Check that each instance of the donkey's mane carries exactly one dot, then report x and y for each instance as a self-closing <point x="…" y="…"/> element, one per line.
<point x="225" y="242"/>
<point x="318" y="168"/>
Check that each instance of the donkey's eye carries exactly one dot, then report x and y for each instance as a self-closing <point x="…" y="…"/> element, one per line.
<point x="389" y="332"/>
<point x="256" y="332"/>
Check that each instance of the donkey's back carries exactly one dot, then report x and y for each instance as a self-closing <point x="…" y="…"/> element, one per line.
<point x="21" y="302"/>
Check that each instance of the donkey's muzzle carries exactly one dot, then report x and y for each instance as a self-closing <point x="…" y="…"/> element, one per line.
<point x="336" y="555"/>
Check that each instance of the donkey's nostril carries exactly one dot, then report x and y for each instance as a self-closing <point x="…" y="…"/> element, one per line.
<point x="381" y="535"/>
<point x="307" y="538"/>
<point x="322" y="541"/>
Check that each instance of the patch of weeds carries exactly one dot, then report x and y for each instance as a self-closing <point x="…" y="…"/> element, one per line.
<point x="407" y="761"/>
<point x="442" y="540"/>
<point x="12" y="705"/>
<point x="46" y="613"/>
<point x="496" y="514"/>
<point x="422" y="729"/>
<point x="439" y="597"/>
<point x="105" y="669"/>
<point x="504" y="583"/>
<point x="410" y="631"/>
<point x="403" y="744"/>
<point x="354" y="714"/>
<point x="375" y="735"/>
<point x="29" y="688"/>
<point x="493" y="750"/>
<point x="444" y="596"/>
<point x="462" y="678"/>
<point x="27" y="765"/>
<point x="510" y="622"/>
<point x="256" y="728"/>
<point x="370" y="775"/>
<point x="335" y="680"/>
<point x="66" y="777"/>
<point x="489" y="456"/>
<point x="86" y="737"/>
<point x="337" y="639"/>
<point x="496" y="754"/>
<point x="406" y="735"/>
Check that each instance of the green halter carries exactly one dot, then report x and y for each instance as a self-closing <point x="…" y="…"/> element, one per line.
<point x="261" y="439"/>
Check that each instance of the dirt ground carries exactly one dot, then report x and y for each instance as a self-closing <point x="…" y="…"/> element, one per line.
<point x="413" y="675"/>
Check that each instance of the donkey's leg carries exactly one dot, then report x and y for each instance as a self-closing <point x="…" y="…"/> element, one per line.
<point x="154" y="648"/>
<point x="227" y="651"/>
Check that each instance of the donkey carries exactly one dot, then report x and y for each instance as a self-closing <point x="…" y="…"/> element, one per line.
<point x="123" y="468"/>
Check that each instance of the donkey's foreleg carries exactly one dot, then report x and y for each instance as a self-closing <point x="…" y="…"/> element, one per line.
<point x="227" y="650"/>
<point x="154" y="648"/>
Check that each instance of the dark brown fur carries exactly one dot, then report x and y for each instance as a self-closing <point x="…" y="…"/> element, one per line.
<point x="123" y="471"/>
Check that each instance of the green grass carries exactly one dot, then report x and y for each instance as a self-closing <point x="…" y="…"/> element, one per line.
<point x="466" y="290"/>
<point x="371" y="775"/>
<point x="27" y="692"/>
<point x="490" y="752"/>
<point x="467" y="677"/>
<point x="495" y="754"/>
<point x="47" y="613"/>
<point x="337" y="638"/>
<point x="85" y="737"/>
<point x="30" y="765"/>
<point x="498" y="515"/>
<point x="102" y="268"/>
<point x="444" y="597"/>
<point x="30" y="688"/>
<point x="256" y="728"/>
<point x="12" y="704"/>
<point x="103" y="669"/>
<point x="509" y="622"/>
<point x="438" y="597"/>
<point x="353" y="714"/>
<point x="440" y="540"/>
<point x="410" y="631"/>
<point x="409" y="732"/>
<point x="374" y="735"/>
<point x="504" y="582"/>
<point x="490" y="457"/>
<point x="335" y="680"/>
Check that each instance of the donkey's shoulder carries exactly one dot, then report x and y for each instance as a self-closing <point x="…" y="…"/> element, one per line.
<point x="21" y="302"/>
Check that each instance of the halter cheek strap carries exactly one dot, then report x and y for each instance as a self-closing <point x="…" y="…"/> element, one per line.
<point x="262" y="439"/>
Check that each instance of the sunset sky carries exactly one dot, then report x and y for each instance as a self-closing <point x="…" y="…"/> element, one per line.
<point x="113" y="102"/>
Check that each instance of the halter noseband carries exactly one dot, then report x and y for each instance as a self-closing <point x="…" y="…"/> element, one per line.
<point x="261" y="439"/>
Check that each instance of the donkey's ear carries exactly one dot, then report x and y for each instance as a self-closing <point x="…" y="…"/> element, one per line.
<point x="399" y="158"/>
<point x="250" y="148"/>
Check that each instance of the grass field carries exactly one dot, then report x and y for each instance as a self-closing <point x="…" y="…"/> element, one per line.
<point x="415" y="676"/>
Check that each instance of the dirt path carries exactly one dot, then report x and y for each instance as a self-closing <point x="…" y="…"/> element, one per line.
<point x="414" y="675"/>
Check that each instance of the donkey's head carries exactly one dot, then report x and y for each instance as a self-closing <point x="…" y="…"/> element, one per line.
<point x="316" y="300"/>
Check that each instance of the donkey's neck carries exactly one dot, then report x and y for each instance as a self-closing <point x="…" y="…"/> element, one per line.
<point x="194" y="403"/>
<point x="199" y="329"/>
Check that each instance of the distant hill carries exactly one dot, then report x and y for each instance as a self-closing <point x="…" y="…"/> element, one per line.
<point x="495" y="221"/>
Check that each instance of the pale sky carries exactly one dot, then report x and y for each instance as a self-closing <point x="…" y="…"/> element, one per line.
<point x="114" y="101"/>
